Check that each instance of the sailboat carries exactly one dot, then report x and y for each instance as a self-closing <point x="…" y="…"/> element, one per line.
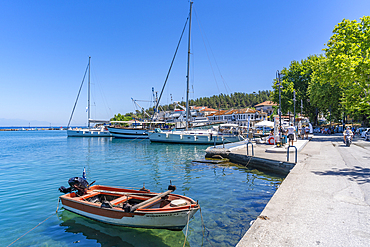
<point x="135" y="129"/>
<point x="224" y="133"/>
<point x="99" y="130"/>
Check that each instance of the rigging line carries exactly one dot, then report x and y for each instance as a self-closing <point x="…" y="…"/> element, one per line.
<point x="102" y="95"/>
<point x="214" y="76"/>
<point x="143" y="100"/>
<point x="218" y="68"/>
<point x="173" y="59"/>
<point x="78" y="95"/>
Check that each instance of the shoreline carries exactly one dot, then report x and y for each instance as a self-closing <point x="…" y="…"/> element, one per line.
<point x="30" y="129"/>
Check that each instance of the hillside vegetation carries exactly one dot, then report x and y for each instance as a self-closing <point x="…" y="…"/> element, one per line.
<point x="222" y="101"/>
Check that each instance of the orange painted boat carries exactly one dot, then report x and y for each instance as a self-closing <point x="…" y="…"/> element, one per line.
<point x="130" y="208"/>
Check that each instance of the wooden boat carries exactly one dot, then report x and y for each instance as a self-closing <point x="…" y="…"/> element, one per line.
<point x="130" y="208"/>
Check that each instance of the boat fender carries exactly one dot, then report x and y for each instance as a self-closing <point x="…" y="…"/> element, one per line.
<point x="178" y="203"/>
<point x="172" y="187"/>
<point x="127" y="207"/>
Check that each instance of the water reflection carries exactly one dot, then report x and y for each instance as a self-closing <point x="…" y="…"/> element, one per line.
<point x="109" y="235"/>
<point x="230" y="196"/>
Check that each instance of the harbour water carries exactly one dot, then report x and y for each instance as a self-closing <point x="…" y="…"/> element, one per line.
<point x="34" y="164"/>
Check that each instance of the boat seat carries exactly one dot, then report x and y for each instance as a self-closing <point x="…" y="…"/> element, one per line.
<point x="89" y="195"/>
<point x="120" y="200"/>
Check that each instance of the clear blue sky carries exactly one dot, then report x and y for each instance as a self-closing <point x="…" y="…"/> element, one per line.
<point x="45" y="45"/>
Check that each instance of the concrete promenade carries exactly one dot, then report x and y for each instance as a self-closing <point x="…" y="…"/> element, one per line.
<point x="324" y="201"/>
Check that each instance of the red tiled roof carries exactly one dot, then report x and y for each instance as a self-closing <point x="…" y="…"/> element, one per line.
<point x="234" y="111"/>
<point x="266" y="103"/>
<point x="202" y="108"/>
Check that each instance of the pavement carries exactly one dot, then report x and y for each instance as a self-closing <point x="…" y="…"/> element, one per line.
<point x="324" y="200"/>
<point x="299" y="144"/>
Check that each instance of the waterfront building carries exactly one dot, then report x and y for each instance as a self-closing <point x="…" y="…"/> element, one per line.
<point x="239" y="116"/>
<point x="267" y="106"/>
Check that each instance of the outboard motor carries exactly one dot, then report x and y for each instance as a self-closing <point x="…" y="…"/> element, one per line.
<point x="78" y="184"/>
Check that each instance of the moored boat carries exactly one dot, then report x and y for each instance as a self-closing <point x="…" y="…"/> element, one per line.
<point x="224" y="133"/>
<point x="99" y="130"/>
<point x="187" y="136"/>
<point x="135" y="130"/>
<point x="127" y="207"/>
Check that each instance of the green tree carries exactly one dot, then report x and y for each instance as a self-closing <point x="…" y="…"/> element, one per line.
<point x="324" y="93"/>
<point x="297" y="78"/>
<point x="348" y="53"/>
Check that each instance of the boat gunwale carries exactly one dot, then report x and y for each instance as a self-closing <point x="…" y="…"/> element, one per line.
<point x="71" y="197"/>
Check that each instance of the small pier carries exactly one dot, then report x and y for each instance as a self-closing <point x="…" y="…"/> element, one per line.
<point x="259" y="155"/>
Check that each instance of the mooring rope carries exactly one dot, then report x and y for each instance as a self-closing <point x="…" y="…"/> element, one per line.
<point x="249" y="161"/>
<point x="36" y="226"/>
<point x="187" y="226"/>
<point x="203" y="226"/>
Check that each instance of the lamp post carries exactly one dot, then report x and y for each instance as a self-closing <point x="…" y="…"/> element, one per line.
<point x="278" y="79"/>
<point x="294" y="100"/>
<point x="279" y="84"/>
<point x="330" y="118"/>
<point x="301" y="106"/>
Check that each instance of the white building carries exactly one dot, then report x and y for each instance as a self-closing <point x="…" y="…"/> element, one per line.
<point x="239" y="116"/>
<point x="267" y="106"/>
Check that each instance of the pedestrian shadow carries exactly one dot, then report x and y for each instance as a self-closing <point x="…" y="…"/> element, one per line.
<point x="357" y="174"/>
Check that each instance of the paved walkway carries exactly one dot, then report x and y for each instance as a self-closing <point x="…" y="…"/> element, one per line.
<point x="324" y="201"/>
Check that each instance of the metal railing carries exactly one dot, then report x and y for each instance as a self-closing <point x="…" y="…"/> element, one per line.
<point x="248" y="148"/>
<point x="287" y="155"/>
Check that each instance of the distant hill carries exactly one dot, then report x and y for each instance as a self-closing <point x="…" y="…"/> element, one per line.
<point x="221" y="101"/>
<point x="225" y="101"/>
<point x="22" y="123"/>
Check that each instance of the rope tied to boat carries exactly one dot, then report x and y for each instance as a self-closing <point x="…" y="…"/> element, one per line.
<point x="204" y="227"/>
<point x="187" y="225"/>
<point x="56" y="211"/>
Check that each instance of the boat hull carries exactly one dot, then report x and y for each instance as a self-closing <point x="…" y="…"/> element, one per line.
<point x="172" y="221"/>
<point x="152" y="216"/>
<point x="179" y="138"/>
<point x="88" y="133"/>
<point x="128" y="133"/>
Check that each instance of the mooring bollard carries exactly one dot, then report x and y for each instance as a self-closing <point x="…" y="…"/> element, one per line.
<point x="287" y="155"/>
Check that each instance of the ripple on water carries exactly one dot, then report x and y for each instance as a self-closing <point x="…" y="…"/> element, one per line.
<point x="33" y="165"/>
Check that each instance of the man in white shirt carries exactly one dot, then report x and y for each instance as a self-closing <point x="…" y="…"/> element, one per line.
<point x="290" y="133"/>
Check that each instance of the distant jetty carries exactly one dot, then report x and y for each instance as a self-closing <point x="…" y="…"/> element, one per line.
<point x="30" y="129"/>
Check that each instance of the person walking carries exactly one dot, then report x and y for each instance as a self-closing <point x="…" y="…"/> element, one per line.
<point x="290" y="133"/>
<point x="307" y="130"/>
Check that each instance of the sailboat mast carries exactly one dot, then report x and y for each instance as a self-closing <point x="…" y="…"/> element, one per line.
<point x="187" y="75"/>
<point x="88" y="99"/>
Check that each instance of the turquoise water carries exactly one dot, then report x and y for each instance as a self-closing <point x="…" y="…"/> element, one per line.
<point x="34" y="164"/>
